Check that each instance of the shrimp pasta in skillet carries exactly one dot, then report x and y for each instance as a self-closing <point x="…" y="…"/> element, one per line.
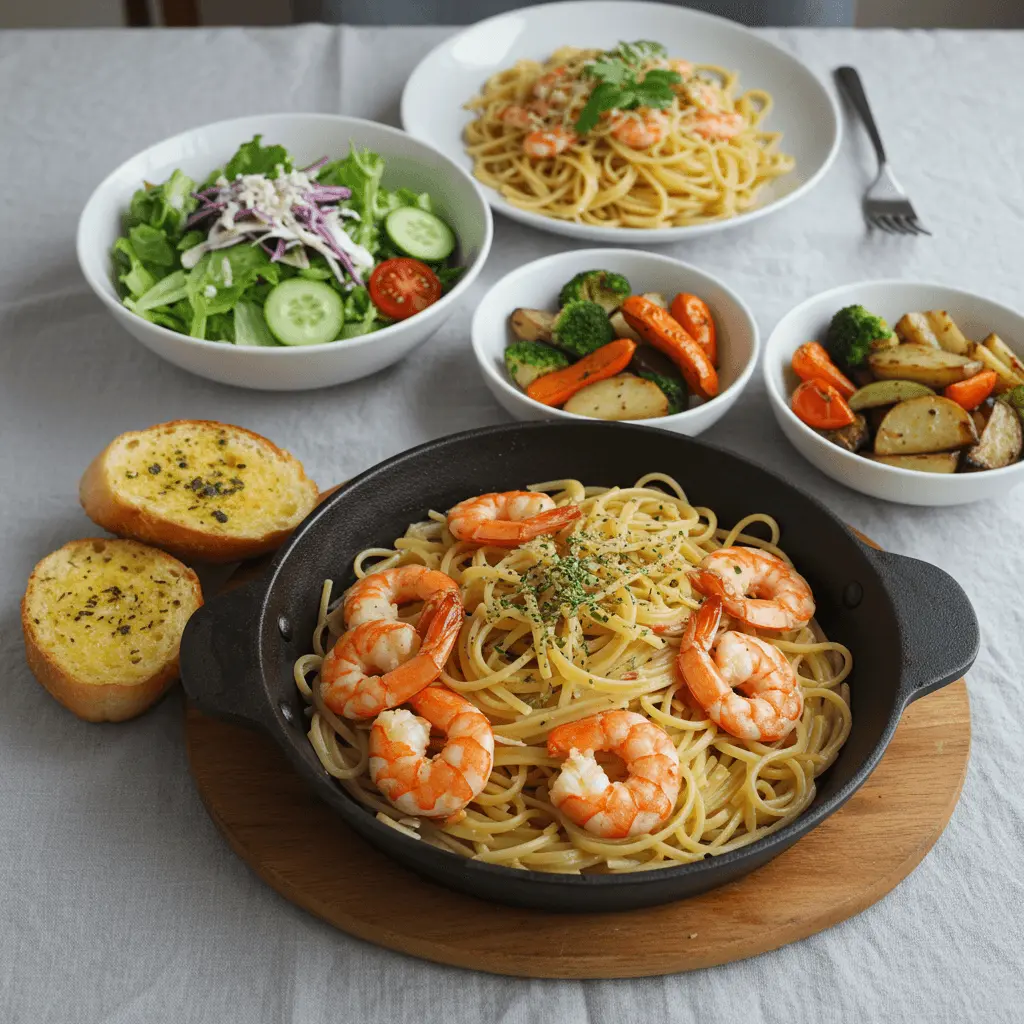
<point x="626" y="138"/>
<point x="578" y="679"/>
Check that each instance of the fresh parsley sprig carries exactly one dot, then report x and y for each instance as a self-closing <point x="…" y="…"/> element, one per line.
<point x="619" y="85"/>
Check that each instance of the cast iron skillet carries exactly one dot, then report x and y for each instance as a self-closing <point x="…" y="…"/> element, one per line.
<point x="910" y="626"/>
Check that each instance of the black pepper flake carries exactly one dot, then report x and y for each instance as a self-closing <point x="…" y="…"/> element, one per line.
<point x="219" y="516"/>
<point x="154" y="469"/>
<point x="183" y="464"/>
<point x="222" y="442"/>
<point x="124" y="630"/>
<point x="130" y="474"/>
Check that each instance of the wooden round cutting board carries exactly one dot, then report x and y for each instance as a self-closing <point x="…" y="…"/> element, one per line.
<point x="302" y="849"/>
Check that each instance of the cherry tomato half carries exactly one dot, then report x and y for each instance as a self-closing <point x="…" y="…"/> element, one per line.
<point x="402" y="287"/>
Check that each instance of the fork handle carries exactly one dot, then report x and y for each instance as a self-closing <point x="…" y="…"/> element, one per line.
<point x="850" y="83"/>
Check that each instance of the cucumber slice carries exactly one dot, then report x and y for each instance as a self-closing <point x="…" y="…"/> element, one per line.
<point x="303" y="312"/>
<point x="419" y="234"/>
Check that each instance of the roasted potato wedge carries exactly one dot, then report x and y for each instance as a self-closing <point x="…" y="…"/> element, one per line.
<point x="886" y="392"/>
<point x="1006" y="379"/>
<point x="623" y="397"/>
<point x="852" y="438"/>
<point x="924" y="364"/>
<point x="944" y="328"/>
<point x="1005" y="354"/>
<point x="914" y="329"/>
<point x="622" y="329"/>
<point x="532" y="324"/>
<point x="1001" y="441"/>
<point x="922" y="425"/>
<point x="889" y="341"/>
<point x="936" y="462"/>
<point x="657" y="298"/>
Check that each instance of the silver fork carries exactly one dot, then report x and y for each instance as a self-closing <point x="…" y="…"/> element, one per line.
<point x="886" y="205"/>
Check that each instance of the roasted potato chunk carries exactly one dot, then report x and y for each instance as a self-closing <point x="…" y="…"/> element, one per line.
<point x="623" y="397"/>
<point x="925" y="364"/>
<point x="532" y="324"/>
<point x="950" y="336"/>
<point x="1005" y="354"/>
<point x="914" y="329"/>
<point x="936" y="462"/>
<point x="886" y="392"/>
<point x="922" y="425"/>
<point x="1001" y="441"/>
<point x="852" y="437"/>
<point x="1006" y="379"/>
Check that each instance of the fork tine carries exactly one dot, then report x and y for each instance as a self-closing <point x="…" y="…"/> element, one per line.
<point x="919" y="227"/>
<point x="875" y="221"/>
<point x="899" y="224"/>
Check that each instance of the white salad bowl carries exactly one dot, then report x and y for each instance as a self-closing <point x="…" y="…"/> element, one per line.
<point x="536" y="286"/>
<point x="409" y="163"/>
<point x="974" y="315"/>
<point x="804" y="110"/>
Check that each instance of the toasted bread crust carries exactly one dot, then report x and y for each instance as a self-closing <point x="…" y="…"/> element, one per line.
<point x="115" y="701"/>
<point x="130" y="517"/>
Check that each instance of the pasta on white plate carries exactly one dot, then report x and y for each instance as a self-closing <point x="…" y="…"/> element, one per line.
<point x="587" y="621"/>
<point x="687" y="147"/>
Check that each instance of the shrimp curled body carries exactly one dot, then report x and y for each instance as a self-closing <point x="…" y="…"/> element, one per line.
<point x="713" y="669"/>
<point x="509" y="518"/>
<point x="439" y="786"/>
<point x="381" y="664"/>
<point x="756" y="587"/>
<point x="379" y="595"/>
<point x="614" y="810"/>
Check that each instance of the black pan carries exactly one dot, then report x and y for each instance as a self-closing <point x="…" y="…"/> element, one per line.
<point x="910" y="626"/>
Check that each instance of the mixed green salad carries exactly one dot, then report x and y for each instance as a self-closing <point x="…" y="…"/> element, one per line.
<point x="264" y="253"/>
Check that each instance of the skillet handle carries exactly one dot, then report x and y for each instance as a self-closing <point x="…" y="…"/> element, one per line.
<point x="939" y="632"/>
<point x="220" y="657"/>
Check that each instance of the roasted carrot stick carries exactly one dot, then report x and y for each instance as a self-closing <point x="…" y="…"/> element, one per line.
<point x="821" y="406"/>
<point x="972" y="392"/>
<point x="695" y="317"/>
<point x="657" y="327"/>
<point x="557" y="388"/>
<point x="812" y="362"/>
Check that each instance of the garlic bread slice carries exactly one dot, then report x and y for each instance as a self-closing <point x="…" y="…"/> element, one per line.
<point x="201" y="489"/>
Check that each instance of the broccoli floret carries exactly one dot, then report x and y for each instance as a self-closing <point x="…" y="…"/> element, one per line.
<point x="608" y="290"/>
<point x="581" y="328"/>
<point x="851" y="333"/>
<point x="674" y="390"/>
<point x="1015" y="397"/>
<point x="528" y="360"/>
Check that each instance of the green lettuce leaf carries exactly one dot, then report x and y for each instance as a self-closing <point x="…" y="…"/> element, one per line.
<point x="137" y="280"/>
<point x="254" y="158"/>
<point x="220" y="327"/>
<point x="250" y="325"/>
<point x="207" y="285"/>
<point x="448" y="276"/>
<point x="361" y="171"/>
<point x="164" y="293"/>
<point x="151" y="246"/>
<point x="165" y="206"/>
<point x="360" y="314"/>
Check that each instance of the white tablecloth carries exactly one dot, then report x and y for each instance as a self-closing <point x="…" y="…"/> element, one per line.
<point x="119" y="900"/>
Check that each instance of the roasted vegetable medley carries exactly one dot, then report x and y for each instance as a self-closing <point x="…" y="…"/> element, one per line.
<point x="610" y="354"/>
<point x="920" y="396"/>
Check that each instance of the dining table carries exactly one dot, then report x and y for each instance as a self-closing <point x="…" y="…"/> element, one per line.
<point x="120" y="901"/>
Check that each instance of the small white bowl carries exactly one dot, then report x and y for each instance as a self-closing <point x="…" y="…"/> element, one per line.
<point x="408" y="162"/>
<point x="803" y="109"/>
<point x="536" y="285"/>
<point x="975" y="316"/>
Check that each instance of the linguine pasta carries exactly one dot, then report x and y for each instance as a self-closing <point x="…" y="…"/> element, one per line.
<point x="683" y="179"/>
<point x="562" y="628"/>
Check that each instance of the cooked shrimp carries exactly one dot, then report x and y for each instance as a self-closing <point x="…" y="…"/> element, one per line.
<point x="378" y="595"/>
<point x="549" y="142"/>
<point x="614" y="810"/>
<point x="702" y="94"/>
<point x="508" y="518"/>
<point x="713" y="126"/>
<point x="438" y="786"/>
<point x="381" y="664"/>
<point x="516" y="116"/>
<point x="756" y="587"/>
<point x="640" y="129"/>
<point x="552" y="87"/>
<point x="713" y="669"/>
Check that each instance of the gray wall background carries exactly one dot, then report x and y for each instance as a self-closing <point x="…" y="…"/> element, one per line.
<point x="870" y="13"/>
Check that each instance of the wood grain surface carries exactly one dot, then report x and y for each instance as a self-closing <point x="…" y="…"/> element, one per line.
<point x="303" y="850"/>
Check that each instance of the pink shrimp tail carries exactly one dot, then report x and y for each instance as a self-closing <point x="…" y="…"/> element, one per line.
<point x="703" y="625"/>
<point x="707" y="582"/>
<point x="439" y="626"/>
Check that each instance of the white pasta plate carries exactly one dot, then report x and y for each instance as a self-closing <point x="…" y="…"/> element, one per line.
<point x="804" y="111"/>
